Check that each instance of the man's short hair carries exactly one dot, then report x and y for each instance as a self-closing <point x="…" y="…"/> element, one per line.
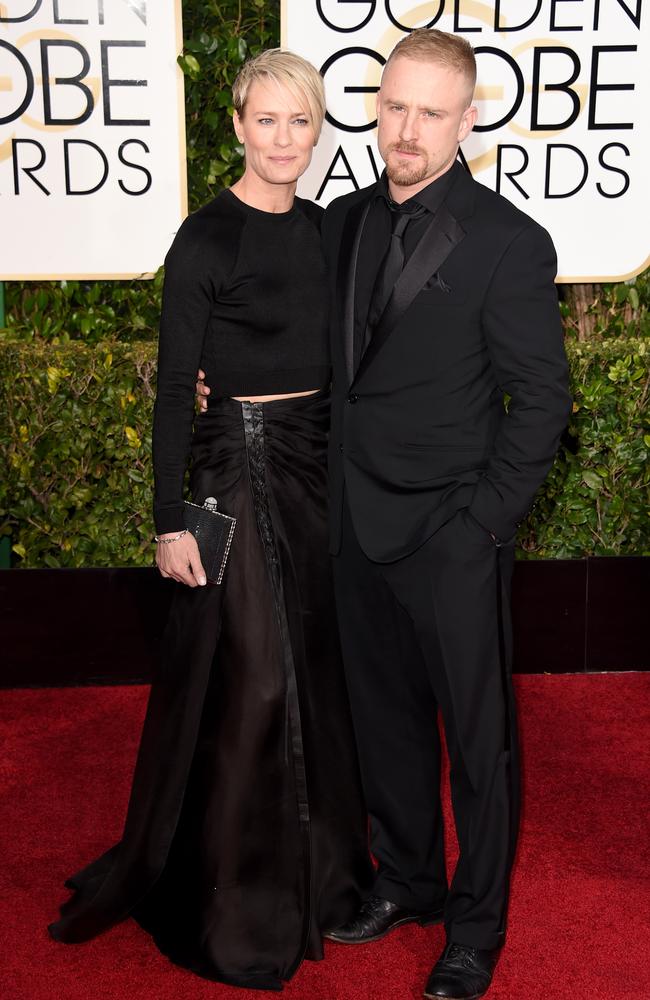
<point x="284" y="69"/>
<point x="441" y="47"/>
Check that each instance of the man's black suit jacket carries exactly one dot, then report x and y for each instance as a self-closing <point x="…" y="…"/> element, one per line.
<point x="420" y="429"/>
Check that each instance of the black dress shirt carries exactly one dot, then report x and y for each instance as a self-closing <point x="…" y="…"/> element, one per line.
<point x="376" y="237"/>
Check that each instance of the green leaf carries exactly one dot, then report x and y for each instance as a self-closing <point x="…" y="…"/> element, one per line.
<point x="132" y="437"/>
<point x="592" y="479"/>
<point x="192" y="64"/>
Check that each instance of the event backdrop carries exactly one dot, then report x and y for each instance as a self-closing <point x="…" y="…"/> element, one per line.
<point x="92" y="137"/>
<point x="563" y="94"/>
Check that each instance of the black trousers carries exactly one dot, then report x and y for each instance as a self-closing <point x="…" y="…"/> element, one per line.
<point x="430" y="631"/>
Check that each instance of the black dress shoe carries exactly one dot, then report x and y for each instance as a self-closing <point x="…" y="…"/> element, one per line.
<point x="462" y="973"/>
<point x="376" y="917"/>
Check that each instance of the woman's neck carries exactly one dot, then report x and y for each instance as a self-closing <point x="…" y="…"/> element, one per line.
<point x="253" y="191"/>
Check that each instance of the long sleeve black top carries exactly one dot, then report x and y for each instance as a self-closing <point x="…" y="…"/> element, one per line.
<point x="245" y="299"/>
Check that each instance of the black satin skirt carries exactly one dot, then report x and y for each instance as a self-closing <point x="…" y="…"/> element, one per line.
<point x="246" y="832"/>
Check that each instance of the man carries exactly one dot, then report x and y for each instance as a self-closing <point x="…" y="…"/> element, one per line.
<point x="430" y="475"/>
<point x="443" y="301"/>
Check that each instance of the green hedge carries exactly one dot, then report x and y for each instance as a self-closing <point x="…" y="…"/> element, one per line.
<point x="76" y="449"/>
<point x="596" y="498"/>
<point x="77" y="455"/>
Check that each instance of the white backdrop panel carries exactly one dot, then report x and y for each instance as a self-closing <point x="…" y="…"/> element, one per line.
<point x="92" y="137"/>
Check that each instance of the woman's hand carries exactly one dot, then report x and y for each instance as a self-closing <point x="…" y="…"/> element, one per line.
<point x="180" y="560"/>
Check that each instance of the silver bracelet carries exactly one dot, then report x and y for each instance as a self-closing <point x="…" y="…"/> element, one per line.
<point x="166" y="541"/>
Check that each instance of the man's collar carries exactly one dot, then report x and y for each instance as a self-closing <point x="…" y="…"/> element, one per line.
<point x="431" y="196"/>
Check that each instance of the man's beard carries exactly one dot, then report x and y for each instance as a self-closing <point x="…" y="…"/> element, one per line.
<point x="407" y="174"/>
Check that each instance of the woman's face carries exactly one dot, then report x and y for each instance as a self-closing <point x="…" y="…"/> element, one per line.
<point x="277" y="132"/>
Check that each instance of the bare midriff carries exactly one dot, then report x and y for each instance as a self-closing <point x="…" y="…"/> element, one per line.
<point x="269" y="399"/>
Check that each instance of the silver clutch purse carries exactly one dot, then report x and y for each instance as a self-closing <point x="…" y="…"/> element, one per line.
<point x="213" y="532"/>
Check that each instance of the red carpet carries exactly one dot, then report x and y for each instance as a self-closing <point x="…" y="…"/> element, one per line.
<point x="578" y="918"/>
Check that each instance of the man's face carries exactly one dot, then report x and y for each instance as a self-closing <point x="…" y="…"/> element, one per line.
<point x="423" y="114"/>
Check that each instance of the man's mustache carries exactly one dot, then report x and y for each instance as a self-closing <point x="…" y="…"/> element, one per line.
<point x="405" y="147"/>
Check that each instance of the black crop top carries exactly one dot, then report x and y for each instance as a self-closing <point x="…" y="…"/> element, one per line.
<point x="245" y="299"/>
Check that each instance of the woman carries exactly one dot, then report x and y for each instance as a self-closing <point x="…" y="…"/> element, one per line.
<point x="245" y="836"/>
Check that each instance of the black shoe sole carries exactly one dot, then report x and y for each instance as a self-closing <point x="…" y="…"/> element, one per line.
<point x="427" y="920"/>
<point x="474" y="996"/>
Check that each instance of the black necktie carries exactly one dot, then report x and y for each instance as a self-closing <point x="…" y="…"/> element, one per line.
<point x="392" y="265"/>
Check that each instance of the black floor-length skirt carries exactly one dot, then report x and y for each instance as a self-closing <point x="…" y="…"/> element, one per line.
<point x="246" y="833"/>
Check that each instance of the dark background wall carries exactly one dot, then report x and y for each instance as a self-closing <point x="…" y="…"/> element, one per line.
<point x="103" y="625"/>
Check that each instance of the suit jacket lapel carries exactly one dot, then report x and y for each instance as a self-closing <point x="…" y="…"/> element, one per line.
<point x="436" y="244"/>
<point x="347" y="272"/>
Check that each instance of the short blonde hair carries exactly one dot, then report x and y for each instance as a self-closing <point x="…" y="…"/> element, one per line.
<point x="441" y="47"/>
<point x="284" y="69"/>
